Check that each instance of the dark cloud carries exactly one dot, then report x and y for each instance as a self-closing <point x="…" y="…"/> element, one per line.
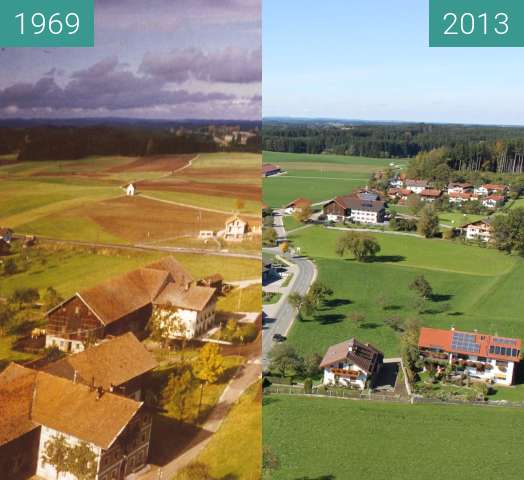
<point x="231" y="65"/>
<point x="105" y="85"/>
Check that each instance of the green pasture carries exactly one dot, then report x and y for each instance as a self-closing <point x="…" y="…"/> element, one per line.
<point x="341" y="439"/>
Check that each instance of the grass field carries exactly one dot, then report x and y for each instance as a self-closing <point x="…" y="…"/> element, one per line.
<point x="318" y="438"/>
<point x="472" y="288"/>
<point x="316" y="177"/>
<point x="235" y="451"/>
<point x="83" y="199"/>
<point x="247" y="299"/>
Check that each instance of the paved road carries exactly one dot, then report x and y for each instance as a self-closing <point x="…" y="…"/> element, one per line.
<point x="280" y="317"/>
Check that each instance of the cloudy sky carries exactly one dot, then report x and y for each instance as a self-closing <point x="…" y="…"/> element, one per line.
<point x="152" y="59"/>
<point x="371" y="60"/>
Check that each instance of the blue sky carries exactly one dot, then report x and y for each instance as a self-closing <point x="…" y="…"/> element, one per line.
<point x="370" y="60"/>
<point x="152" y="59"/>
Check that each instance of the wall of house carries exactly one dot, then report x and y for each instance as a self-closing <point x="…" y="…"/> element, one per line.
<point x="192" y="322"/>
<point x="18" y="458"/>
<point x="47" y="471"/>
<point x="330" y="377"/>
<point x="364" y="216"/>
<point x="135" y="322"/>
<point x="334" y="210"/>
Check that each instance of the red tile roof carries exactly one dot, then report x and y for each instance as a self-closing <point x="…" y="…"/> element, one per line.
<point x="299" y="202"/>
<point x="429" y="192"/>
<point x="434" y="338"/>
<point x="268" y="167"/>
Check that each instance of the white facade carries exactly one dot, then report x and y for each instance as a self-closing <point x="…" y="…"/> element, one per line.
<point x="482" y="191"/>
<point x="396" y="183"/>
<point x="498" y="371"/>
<point x="64" y="344"/>
<point x="187" y="323"/>
<point x="236" y="229"/>
<point x="346" y="375"/>
<point x="130" y="190"/>
<point x="491" y="202"/>
<point x="481" y="231"/>
<point x="47" y="471"/>
<point x="416" y="188"/>
<point x="364" y="216"/>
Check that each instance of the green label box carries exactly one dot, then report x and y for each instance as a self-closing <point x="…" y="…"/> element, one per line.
<point x="476" y="23"/>
<point x="47" y="23"/>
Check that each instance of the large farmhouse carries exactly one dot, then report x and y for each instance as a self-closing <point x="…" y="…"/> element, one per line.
<point x="479" y="230"/>
<point x="360" y="207"/>
<point x="483" y="357"/>
<point x="416" y="186"/>
<point x="118" y="365"/>
<point x="127" y="302"/>
<point x="37" y="407"/>
<point x="351" y="364"/>
<point x="238" y="228"/>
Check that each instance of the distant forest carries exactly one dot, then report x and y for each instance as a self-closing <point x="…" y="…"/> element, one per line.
<point x="458" y="147"/>
<point x="33" y="143"/>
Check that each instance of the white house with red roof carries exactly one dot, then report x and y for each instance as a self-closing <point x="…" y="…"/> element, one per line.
<point x="494" y="201"/>
<point x="482" y="357"/>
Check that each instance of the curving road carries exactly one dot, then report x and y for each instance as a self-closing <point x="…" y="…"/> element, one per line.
<point x="280" y="317"/>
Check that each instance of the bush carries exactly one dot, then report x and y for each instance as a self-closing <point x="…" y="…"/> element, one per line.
<point x="308" y="386"/>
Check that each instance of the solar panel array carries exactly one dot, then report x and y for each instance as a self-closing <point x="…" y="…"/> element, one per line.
<point x="464" y="342"/>
<point x="505" y="341"/>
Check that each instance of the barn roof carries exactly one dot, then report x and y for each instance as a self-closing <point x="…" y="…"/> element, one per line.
<point x="194" y="297"/>
<point x="110" y="363"/>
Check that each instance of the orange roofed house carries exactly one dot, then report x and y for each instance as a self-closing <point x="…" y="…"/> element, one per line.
<point x="127" y="302"/>
<point x="36" y="407"/>
<point x="351" y="364"/>
<point x="297" y="205"/>
<point x="480" y="356"/>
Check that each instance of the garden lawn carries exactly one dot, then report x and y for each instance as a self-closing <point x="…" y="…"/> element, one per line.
<point x="247" y="299"/>
<point x="285" y="158"/>
<point x="456" y="219"/>
<point x="356" y="439"/>
<point x="472" y="288"/>
<point x="235" y="450"/>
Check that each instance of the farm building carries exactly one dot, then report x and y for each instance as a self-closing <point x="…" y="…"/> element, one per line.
<point x="357" y="208"/>
<point x="458" y="198"/>
<point x="126" y="303"/>
<point x="38" y="407"/>
<point x="118" y="365"/>
<point x="490" y="188"/>
<point x="351" y="364"/>
<point x="479" y="230"/>
<point x="130" y="190"/>
<point x="480" y="356"/>
<point x="493" y="201"/>
<point x="297" y="205"/>
<point x="269" y="170"/>
<point x="457" y="187"/>
<point x="416" y="186"/>
<point x="238" y="228"/>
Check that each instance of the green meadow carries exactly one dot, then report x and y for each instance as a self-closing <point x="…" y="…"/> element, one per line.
<point x="320" y="438"/>
<point x="473" y="289"/>
<point x="317" y="177"/>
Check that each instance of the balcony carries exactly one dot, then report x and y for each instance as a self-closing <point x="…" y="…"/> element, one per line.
<point x="352" y="374"/>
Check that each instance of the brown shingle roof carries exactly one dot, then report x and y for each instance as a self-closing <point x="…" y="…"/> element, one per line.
<point x="169" y="264"/>
<point x="70" y="408"/>
<point x="112" y="362"/>
<point x="363" y="355"/>
<point x="194" y="298"/>
<point x="16" y="394"/>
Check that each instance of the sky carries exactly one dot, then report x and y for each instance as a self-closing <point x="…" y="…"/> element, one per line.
<point x="168" y="59"/>
<point x="370" y="60"/>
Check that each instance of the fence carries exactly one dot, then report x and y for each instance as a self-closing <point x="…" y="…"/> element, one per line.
<point x="488" y="403"/>
<point x="347" y="394"/>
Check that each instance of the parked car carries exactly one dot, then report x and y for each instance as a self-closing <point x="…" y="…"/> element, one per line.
<point x="279" y="338"/>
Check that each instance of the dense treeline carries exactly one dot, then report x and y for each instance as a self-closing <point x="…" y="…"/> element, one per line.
<point x="467" y="148"/>
<point x="71" y="142"/>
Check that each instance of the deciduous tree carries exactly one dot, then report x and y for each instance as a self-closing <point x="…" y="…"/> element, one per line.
<point x="209" y="367"/>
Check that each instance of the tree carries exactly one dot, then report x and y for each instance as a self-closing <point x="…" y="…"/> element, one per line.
<point x="269" y="237"/>
<point x="414" y="204"/>
<point x="284" y="247"/>
<point x="303" y="214"/>
<point x="6" y="315"/>
<point x="363" y="247"/>
<point x="421" y="286"/>
<point x="409" y="348"/>
<point x="177" y="392"/>
<point x="51" y="299"/>
<point x="56" y="453"/>
<point x="283" y="358"/>
<point x="312" y="364"/>
<point x="428" y="222"/>
<point x="10" y="267"/>
<point x="82" y="462"/>
<point x="302" y="303"/>
<point x="25" y="296"/>
<point x="209" y="367"/>
<point x="319" y="292"/>
<point x="508" y="231"/>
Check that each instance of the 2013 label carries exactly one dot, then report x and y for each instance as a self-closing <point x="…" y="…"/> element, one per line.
<point x="467" y="23"/>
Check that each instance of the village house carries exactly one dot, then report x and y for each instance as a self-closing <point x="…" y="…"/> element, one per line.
<point x="416" y="186"/>
<point x="396" y="182"/>
<point x="490" y="188"/>
<point x="238" y="228"/>
<point x="480" y="356"/>
<point x="479" y="230"/>
<point x="493" y="201"/>
<point x="358" y="207"/>
<point x="458" y="198"/>
<point x="130" y="190"/>
<point x="119" y="365"/>
<point x="126" y="303"/>
<point x="457" y="187"/>
<point x="37" y="407"/>
<point x="430" y="195"/>
<point x="269" y="170"/>
<point x="351" y="364"/>
<point x="297" y="205"/>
